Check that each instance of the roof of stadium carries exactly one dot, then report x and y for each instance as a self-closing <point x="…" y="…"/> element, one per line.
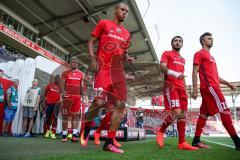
<point x="70" y="22"/>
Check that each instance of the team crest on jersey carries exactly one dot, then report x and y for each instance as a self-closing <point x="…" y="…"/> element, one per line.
<point x="111" y="30"/>
<point x="119" y="30"/>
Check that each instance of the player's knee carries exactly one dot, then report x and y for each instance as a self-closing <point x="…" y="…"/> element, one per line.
<point x="179" y="114"/>
<point x="121" y="106"/>
<point x="65" y="117"/>
<point x="204" y="116"/>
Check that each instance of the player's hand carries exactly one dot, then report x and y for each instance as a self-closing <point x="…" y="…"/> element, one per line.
<point x="130" y="59"/>
<point x="93" y="65"/>
<point x="232" y="86"/>
<point x="194" y="94"/>
<point x="35" y="109"/>
<point x="181" y="76"/>
<point x="63" y="93"/>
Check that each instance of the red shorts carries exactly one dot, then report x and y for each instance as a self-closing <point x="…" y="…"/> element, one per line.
<point x="110" y="81"/>
<point x="71" y="105"/>
<point x="176" y="99"/>
<point x="213" y="101"/>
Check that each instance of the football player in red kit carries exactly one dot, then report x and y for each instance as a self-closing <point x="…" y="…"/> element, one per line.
<point x="176" y="99"/>
<point x="71" y="90"/>
<point x="52" y="100"/>
<point x="213" y="100"/>
<point x="113" y="42"/>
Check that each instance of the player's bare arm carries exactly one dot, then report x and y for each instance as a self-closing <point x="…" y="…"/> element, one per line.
<point x="93" y="65"/>
<point x="195" y="81"/>
<point x="127" y="58"/>
<point x="185" y="85"/>
<point x="222" y="81"/>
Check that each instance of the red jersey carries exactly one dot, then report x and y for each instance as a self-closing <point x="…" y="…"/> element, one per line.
<point x="208" y="73"/>
<point x="176" y="63"/>
<point x="73" y="81"/>
<point x="114" y="40"/>
<point x="160" y="100"/>
<point x="52" y="93"/>
<point x="154" y="100"/>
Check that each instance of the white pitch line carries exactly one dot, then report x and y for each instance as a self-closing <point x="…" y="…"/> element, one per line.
<point x="221" y="144"/>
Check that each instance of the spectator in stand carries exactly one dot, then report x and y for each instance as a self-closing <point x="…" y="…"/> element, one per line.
<point x="3" y="49"/>
<point x="139" y="116"/>
<point x="154" y="100"/>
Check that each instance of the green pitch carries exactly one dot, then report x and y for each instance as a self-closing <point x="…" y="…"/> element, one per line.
<point x="38" y="148"/>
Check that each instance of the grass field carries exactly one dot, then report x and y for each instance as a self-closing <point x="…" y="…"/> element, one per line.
<point x="38" y="148"/>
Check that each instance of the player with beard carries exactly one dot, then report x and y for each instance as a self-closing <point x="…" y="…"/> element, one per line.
<point x="213" y="100"/>
<point x="176" y="99"/>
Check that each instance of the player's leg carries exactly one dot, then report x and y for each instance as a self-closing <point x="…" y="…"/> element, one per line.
<point x="226" y="117"/>
<point x="104" y="124"/>
<point x="48" y="121"/>
<point x="227" y="123"/>
<point x="54" y="120"/>
<point x="208" y="102"/>
<point x="66" y="116"/>
<point x="75" y="124"/>
<point x="169" y="98"/>
<point x="116" y="118"/>
<point x="100" y="93"/>
<point x="180" y="114"/>
<point x="181" y="126"/>
<point x="202" y="118"/>
<point x="75" y="111"/>
<point x="119" y="93"/>
<point x="93" y="111"/>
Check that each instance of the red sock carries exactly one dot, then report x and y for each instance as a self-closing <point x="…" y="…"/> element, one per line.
<point x="227" y="123"/>
<point x="105" y="123"/>
<point x="200" y="124"/>
<point x="111" y="134"/>
<point x="167" y="121"/>
<point x="181" y="126"/>
<point x="70" y="131"/>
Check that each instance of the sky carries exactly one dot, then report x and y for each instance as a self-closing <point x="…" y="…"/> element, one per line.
<point x="190" y="19"/>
